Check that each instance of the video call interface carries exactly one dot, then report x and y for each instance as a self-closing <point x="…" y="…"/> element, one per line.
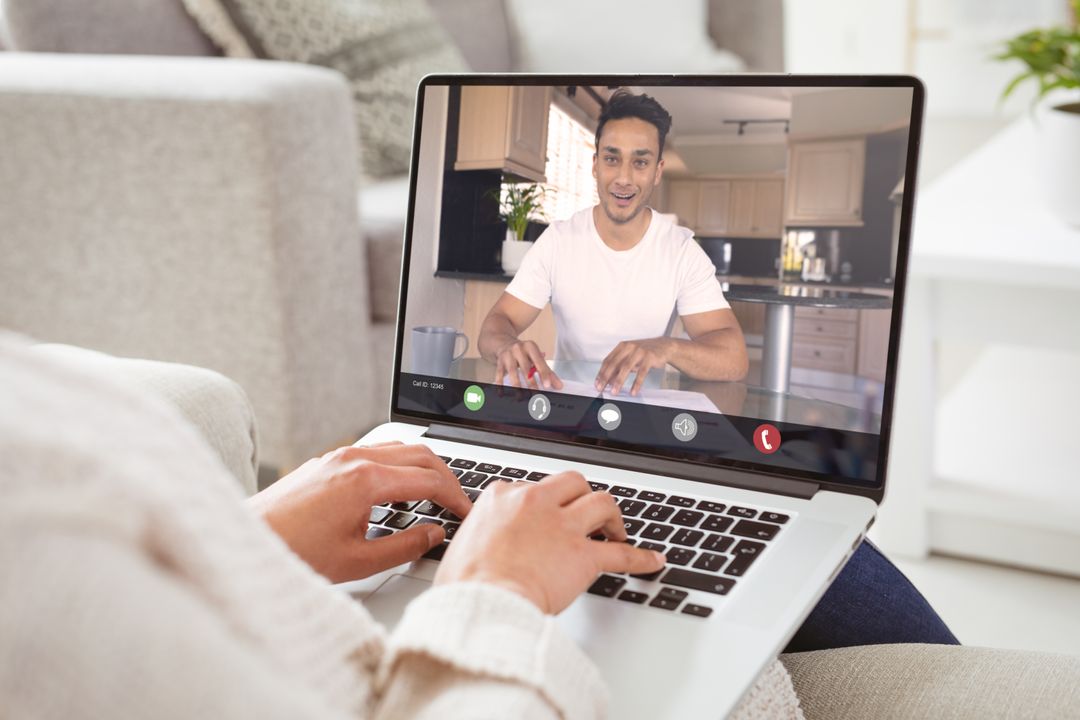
<point x="697" y="272"/>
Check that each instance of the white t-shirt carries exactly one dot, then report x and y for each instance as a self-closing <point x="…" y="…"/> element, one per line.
<point x="601" y="296"/>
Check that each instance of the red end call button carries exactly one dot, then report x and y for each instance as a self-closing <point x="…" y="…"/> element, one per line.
<point x="767" y="439"/>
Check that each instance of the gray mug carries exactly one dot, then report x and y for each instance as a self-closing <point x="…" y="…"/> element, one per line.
<point x="433" y="349"/>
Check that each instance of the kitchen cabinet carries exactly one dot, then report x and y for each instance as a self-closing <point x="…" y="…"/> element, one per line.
<point x="735" y="207"/>
<point x="757" y="208"/>
<point x="825" y="183"/>
<point x="480" y="297"/>
<point x="825" y="339"/>
<point x="873" y="351"/>
<point x="504" y="128"/>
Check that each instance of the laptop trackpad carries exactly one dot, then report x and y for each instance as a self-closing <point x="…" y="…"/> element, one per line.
<point x="387" y="603"/>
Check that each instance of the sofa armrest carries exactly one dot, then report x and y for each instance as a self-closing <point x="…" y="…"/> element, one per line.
<point x="213" y="404"/>
<point x="197" y="210"/>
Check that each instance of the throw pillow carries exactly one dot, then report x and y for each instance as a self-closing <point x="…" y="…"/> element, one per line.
<point x="383" y="47"/>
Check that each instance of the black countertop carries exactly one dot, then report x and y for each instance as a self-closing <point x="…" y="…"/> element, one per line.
<point x="805" y="295"/>
<point x="495" y="276"/>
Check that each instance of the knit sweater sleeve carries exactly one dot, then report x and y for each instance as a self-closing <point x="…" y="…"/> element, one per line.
<point x="462" y="642"/>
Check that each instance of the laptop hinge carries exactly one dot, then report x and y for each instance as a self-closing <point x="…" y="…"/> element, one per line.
<point x="624" y="460"/>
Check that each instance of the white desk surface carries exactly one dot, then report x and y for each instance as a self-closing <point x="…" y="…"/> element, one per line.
<point x="985" y="220"/>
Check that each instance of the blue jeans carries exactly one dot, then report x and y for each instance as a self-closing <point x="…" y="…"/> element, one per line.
<point x="870" y="603"/>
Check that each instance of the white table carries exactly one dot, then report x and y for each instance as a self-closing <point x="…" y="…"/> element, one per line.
<point x="990" y="264"/>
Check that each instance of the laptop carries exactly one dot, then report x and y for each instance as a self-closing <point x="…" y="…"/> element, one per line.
<point x="757" y="489"/>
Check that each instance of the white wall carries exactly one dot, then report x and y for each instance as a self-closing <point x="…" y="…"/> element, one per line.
<point x="432" y="300"/>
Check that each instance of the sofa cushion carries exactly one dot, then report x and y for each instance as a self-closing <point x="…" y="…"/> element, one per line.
<point x="383" y="206"/>
<point x="122" y="27"/>
<point x="383" y="47"/>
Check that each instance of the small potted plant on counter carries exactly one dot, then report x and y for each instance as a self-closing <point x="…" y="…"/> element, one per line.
<point x="1052" y="57"/>
<point x="518" y="203"/>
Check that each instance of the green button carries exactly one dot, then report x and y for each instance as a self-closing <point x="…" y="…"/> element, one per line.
<point x="474" y="397"/>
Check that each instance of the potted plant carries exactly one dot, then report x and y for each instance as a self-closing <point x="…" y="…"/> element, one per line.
<point x="1052" y="57"/>
<point x="519" y="202"/>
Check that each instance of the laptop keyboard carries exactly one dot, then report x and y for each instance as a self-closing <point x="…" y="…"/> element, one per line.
<point x="710" y="546"/>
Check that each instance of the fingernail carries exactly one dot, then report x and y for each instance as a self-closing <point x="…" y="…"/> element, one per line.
<point x="433" y="535"/>
<point x="660" y="557"/>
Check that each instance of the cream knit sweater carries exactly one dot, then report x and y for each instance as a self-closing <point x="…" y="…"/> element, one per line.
<point x="134" y="583"/>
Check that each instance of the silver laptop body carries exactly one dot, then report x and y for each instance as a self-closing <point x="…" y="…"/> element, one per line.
<point x="817" y="496"/>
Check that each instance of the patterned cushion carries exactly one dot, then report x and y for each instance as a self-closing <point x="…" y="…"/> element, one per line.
<point x="384" y="47"/>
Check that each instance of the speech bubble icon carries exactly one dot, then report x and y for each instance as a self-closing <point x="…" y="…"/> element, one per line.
<point x="609" y="415"/>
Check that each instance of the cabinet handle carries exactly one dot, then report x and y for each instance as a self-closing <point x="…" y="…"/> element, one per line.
<point x="817" y="353"/>
<point x="820" y="329"/>
<point x="855" y="212"/>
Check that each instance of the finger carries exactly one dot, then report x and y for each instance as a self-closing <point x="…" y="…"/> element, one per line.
<point x="642" y="373"/>
<point x="598" y="511"/>
<point x="543" y="372"/>
<point x="401" y="547"/>
<point x="611" y="365"/>
<point x="622" y="558"/>
<point x="632" y="363"/>
<point x="395" y="484"/>
<point x="415" y="455"/>
<point x="556" y="381"/>
<point x="564" y="487"/>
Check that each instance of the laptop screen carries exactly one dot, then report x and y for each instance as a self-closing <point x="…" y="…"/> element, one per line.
<point x="707" y="269"/>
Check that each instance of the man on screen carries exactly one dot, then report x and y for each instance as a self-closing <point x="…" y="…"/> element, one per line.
<point x="614" y="273"/>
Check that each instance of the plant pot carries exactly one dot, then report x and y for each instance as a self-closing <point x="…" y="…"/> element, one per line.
<point x="513" y="252"/>
<point x="1060" y="165"/>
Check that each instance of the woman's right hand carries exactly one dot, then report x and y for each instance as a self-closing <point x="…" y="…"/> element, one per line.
<point x="515" y="360"/>
<point x="533" y="539"/>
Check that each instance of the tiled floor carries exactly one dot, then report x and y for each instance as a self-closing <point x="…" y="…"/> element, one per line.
<point x="995" y="606"/>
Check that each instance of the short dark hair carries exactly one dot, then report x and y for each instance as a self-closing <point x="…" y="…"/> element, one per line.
<point x="625" y="104"/>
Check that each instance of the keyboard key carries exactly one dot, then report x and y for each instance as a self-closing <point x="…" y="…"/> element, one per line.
<point x="658" y="512"/>
<point x="632" y="526"/>
<point x="687" y="518"/>
<point x="656" y="531"/>
<point x="457" y="472"/>
<point x="757" y="530"/>
<point x="744" y="554"/>
<point x="716" y="523"/>
<point x="744" y="512"/>
<point x="451" y="529"/>
<point x="773" y="518"/>
<point x="449" y="515"/>
<point x="698" y="610"/>
<point x="680" y="556"/>
<point x="444" y="459"/>
<point x="668" y="599"/>
<point x="377" y="532"/>
<point x="680" y="501"/>
<point x="607" y="585"/>
<point x="495" y="478"/>
<point x="378" y="514"/>
<point x="405" y="505"/>
<point x="400" y="520"/>
<point x="472" y="494"/>
<point x="488" y="468"/>
<point x="710" y="562"/>
<point x="429" y="521"/>
<point x="651" y="546"/>
<point x="634" y="597"/>
<point x="650" y="496"/>
<point x="472" y="479"/>
<point x="536" y="476"/>
<point x="515" y="473"/>
<point x="623" y="491"/>
<point x="698" y="581"/>
<point x="687" y="537"/>
<point x="717" y="543"/>
<point x="463" y="464"/>
<point x="437" y="552"/>
<point x="598" y="486"/>
<point x="428" y="508"/>
<point x="710" y="506"/>
<point x="631" y="508"/>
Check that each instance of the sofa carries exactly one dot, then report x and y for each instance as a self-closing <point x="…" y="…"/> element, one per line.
<point x="885" y="681"/>
<point x="161" y="202"/>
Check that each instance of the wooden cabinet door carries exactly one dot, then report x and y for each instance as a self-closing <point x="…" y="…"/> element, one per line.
<point x="826" y="182"/>
<point x="714" y="208"/>
<point x="874" y="328"/>
<point x="768" y="215"/>
<point x="527" y="127"/>
<point x="683" y="201"/>
<point x="742" y="208"/>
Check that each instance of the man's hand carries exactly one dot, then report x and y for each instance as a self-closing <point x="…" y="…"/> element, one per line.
<point x="534" y="540"/>
<point x="321" y="509"/>
<point x="520" y="357"/>
<point x="633" y="356"/>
